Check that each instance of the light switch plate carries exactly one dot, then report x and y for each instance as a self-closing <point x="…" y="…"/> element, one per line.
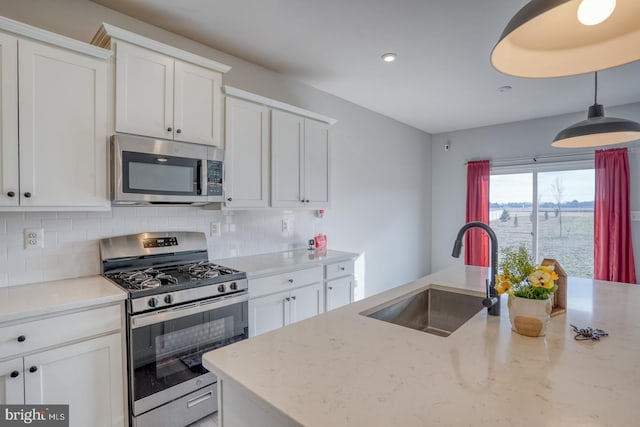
<point x="635" y="215"/>
<point x="33" y="238"/>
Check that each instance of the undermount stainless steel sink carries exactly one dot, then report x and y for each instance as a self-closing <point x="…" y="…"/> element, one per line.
<point x="432" y="310"/>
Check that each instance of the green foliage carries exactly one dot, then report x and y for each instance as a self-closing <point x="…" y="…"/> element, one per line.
<point x="505" y="216"/>
<point x="516" y="264"/>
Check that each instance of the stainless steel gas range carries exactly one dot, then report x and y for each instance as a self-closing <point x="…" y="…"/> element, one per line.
<point x="179" y="306"/>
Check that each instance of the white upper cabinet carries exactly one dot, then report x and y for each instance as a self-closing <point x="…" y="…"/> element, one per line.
<point x="287" y="159"/>
<point x="316" y="163"/>
<point x="298" y="141"/>
<point x="54" y="156"/>
<point x="162" y="91"/>
<point x="197" y="111"/>
<point x="144" y="92"/>
<point x="246" y="154"/>
<point x="9" y="176"/>
<point x="299" y="161"/>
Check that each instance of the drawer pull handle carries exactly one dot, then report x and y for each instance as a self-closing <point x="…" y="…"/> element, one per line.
<point x="197" y="400"/>
<point x="330" y="288"/>
<point x="293" y="298"/>
<point x="22" y="338"/>
<point x="15" y="374"/>
<point x="33" y="369"/>
<point x="287" y="299"/>
<point x="290" y="280"/>
<point x="342" y="268"/>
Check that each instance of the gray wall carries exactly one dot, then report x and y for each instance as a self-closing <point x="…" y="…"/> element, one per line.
<point x="381" y="181"/>
<point x="511" y="140"/>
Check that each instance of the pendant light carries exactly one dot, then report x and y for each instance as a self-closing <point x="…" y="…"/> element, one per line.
<point x="597" y="130"/>
<point x="555" y="38"/>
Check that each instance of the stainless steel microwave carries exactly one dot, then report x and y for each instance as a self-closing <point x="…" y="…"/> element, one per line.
<point x="157" y="171"/>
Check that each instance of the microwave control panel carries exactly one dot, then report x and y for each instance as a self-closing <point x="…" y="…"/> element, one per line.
<point x="214" y="178"/>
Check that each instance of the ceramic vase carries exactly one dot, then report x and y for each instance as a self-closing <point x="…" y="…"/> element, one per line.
<point x="529" y="317"/>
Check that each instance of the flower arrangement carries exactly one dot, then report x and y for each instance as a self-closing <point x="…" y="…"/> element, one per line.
<point x="521" y="278"/>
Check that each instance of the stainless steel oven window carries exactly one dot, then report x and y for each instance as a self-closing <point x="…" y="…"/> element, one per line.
<point x="168" y="352"/>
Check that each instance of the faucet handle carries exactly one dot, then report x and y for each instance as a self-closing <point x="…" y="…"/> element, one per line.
<point x="490" y="300"/>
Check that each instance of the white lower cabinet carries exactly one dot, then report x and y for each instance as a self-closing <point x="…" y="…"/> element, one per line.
<point x="86" y="373"/>
<point x="339" y="283"/>
<point x="275" y="311"/>
<point x="279" y="300"/>
<point x="339" y="292"/>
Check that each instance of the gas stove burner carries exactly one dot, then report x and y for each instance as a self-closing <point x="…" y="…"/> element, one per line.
<point x="145" y="279"/>
<point x="201" y="270"/>
<point x="150" y="283"/>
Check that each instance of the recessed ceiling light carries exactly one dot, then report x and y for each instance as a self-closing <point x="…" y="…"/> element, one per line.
<point x="506" y="88"/>
<point x="389" y="57"/>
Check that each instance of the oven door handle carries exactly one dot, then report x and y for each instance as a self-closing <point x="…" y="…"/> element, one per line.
<point x="146" y="319"/>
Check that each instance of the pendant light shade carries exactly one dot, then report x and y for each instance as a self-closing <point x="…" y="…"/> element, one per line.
<point x="597" y="130"/>
<point x="547" y="38"/>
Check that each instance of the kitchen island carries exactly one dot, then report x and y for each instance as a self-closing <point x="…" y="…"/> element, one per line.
<point x="344" y="369"/>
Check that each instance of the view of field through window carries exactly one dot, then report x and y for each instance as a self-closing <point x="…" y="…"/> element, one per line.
<point x="564" y="226"/>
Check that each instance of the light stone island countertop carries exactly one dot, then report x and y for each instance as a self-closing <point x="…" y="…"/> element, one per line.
<point x="25" y="301"/>
<point x="281" y="262"/>
<point x="344" y="369"/>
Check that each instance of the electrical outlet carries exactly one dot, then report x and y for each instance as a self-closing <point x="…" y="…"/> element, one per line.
<point x="635" y="215"/>
<point x="285" y="225"/>
<point x="33" y="238"/>
<point x="215" y="229"/>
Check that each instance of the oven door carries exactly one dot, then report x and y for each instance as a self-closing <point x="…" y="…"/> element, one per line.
<point x="149" y="170"/>
<point x="166" y="347"/>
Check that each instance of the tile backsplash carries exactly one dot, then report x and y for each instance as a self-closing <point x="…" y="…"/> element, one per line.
<point x="71" y="238"/>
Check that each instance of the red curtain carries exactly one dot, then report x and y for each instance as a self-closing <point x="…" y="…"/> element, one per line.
<point x="613" y="251"/>
<point x="476" y="246"/>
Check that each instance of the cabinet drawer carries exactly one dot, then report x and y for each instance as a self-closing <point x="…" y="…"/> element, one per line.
<point x="338" y="269"/>
<point x="284" y="281"/>
<point x="37" y="334"/>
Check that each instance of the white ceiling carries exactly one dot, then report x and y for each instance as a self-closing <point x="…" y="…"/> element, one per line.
<point x="442" y="80"/>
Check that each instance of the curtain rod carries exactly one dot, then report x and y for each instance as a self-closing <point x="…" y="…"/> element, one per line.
<point x="543" y="158"/>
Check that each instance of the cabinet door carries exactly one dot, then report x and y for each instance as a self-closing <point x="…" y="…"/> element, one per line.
<point x="197" y="113"/>
<point x="246" y="154"/>
<point x="339" y="292"/>
<point x="144" y="92"/>
<point x="87" y="376"/>
<point x="316" y="163"/>
<point x="12" y="382"/>
<point x="287" y="156"/>
<point x="8" y="121"/>
<point x="268" y="313"/>
<point x="307" y="302"/>
<point x="62" y="127"/>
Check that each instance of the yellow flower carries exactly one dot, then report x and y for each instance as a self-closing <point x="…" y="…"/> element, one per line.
<point x="502" y="285"/>
<point x="543" y="277"/>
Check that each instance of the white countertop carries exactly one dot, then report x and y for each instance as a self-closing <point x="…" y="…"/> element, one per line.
<point x="281" y="262"/>
<point x="344" y="369"/>
<point x="25" y="301"/>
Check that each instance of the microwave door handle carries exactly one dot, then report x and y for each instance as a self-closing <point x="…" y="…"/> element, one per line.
<point x="202" y="178"/>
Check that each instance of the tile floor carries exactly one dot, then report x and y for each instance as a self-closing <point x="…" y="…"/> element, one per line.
<point x="210" y="421"/>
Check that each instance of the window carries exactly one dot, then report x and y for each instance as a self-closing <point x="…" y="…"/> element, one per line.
<point x="548" y="209"/>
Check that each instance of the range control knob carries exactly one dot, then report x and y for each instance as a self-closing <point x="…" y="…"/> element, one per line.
<point x="168" y="299"/>
<point x="221" y="288"/>
<point x="233" y="286"/>
<point x="152" y="302"/>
